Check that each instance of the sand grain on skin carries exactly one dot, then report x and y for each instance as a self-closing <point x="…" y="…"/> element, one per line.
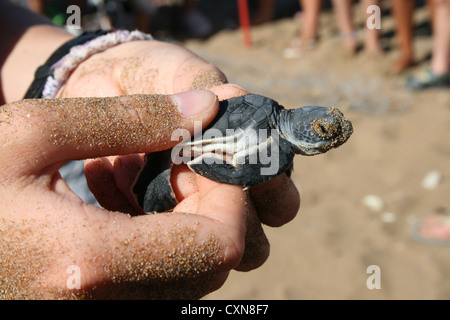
<point x="207" y="80"/>
<point x="176" y="264"/>
<point x="110" y="122"/>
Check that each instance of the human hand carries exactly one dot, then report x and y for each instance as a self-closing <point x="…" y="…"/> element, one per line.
<point x="151" y="67"/>
<point x="47" y="231"/>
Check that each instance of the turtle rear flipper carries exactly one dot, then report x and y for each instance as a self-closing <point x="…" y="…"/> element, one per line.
<point x="153" y="188"/>
<point x="159" y="196"/>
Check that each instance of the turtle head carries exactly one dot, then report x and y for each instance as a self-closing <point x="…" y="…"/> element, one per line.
<point x="312" y="129"/>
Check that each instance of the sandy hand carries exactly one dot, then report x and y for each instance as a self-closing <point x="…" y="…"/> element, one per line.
<point x="49" y="237"/>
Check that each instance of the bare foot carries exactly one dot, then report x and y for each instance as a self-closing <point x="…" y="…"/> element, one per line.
<point x="403" y="63"/>
<point x="350" y="42"/>
<point x="374" y="49"/>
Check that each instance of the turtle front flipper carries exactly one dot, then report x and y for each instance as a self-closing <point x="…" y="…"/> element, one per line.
<point x="153" y="188"/>
<point x="242" y="146"/>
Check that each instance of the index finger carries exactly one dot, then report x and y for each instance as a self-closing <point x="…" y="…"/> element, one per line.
<point x="38" y="133"/>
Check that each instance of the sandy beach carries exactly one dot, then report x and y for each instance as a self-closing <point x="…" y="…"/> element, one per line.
<point x="399" y="138"/>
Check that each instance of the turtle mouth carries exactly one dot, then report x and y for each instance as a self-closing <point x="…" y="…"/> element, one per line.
<point x="310" y="149"/>
<point x="236" y="148"/>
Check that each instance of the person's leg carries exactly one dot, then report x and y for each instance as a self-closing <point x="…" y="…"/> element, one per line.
<point x="372" y="36"/>
<point x="343" y="9"/>
<point x="311" y="11"/>
<point x="441" y="37"/>
<point x="265" y="12"/>
<point x="309" y="29"/>
<point x="403" y="11"/>
<point x="438" y="74"/>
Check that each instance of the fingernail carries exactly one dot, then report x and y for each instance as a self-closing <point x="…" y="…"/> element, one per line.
<point x="193" y="103"/>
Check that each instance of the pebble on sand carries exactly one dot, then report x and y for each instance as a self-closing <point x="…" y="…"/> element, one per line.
<point x="432" y="179"/>
<point x="388" y="217"/>
<point x="373" y="202"/>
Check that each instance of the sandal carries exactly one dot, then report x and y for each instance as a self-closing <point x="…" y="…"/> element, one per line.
<point x="437" y="230"/>
<point x="428" y="80"/>
<point x="298" y="47"/>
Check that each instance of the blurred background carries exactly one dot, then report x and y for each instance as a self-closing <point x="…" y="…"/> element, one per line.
<point x="360" y="202"/>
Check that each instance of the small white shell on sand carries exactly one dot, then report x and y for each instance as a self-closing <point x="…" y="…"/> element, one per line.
<point x="388" y="217"/>
<point x="432" y="180"/>
<point x="373" y="202"/>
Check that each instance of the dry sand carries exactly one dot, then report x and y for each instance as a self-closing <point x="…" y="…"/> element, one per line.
<point x="399" y="138"/>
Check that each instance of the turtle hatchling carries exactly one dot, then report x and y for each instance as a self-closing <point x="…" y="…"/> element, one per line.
<point x="252" y="139"/>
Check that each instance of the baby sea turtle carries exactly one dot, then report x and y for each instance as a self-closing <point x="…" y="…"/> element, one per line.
<point x="252" y="139"/>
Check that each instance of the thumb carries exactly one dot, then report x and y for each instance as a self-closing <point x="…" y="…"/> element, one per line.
<point x="35" y="134"/>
